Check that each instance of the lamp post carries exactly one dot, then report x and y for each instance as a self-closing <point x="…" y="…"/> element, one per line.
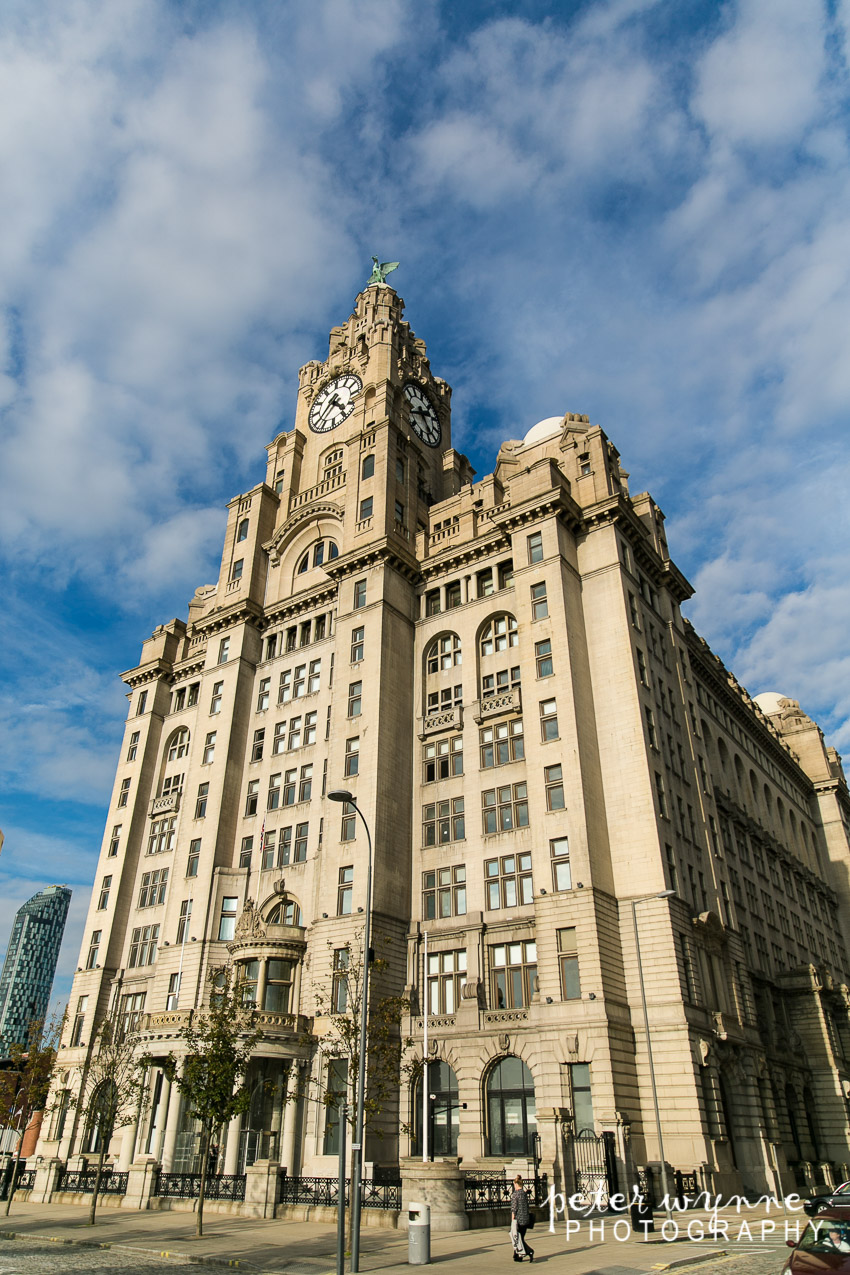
<point x="663" y="894"/>
<point x="340" y="794"/>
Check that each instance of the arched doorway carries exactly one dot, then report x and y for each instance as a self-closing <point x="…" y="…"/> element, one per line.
<point x="443" y="1108"/>
<point x="511" y="1111"/>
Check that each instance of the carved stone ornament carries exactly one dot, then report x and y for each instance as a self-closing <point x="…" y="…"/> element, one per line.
<point x="249" y="925"/>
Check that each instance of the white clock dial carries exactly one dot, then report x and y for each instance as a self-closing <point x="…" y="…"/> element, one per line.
<point x="423" y="419"/>
<point x="334" y="403"/>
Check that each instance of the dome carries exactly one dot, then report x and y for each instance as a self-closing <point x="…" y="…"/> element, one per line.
<point x="543" y="429"/>
<point x="770" y="702"/>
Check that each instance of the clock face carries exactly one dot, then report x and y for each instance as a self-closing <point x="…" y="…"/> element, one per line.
<point x="423" y="419"/>
<point x="334" y="403"/>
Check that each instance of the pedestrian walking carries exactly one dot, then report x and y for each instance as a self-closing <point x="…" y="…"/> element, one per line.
<point x="520" y="1218"/>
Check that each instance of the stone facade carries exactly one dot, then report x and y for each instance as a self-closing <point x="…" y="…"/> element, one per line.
<point x="500" y="672"/>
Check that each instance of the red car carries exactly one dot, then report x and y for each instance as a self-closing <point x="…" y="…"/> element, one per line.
<point x="823" y="1246"/>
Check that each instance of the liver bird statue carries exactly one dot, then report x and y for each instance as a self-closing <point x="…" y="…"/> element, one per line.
<point x="380" y="270"/>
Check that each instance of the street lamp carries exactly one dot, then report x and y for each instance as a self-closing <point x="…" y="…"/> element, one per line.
<point x="340" y="794"/>
<point x="646" y="898"/>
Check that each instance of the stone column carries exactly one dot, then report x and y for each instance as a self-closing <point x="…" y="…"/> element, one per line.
<point x="290" y="1120"/>
<point x="231" y="1152"/>
<point x="440" y="1185"/>
<point x="141" y="1181"/>
<point x="261" y="1188"/>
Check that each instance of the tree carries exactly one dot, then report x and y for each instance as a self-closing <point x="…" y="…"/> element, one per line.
<point x="25" y="1086"/>
<point x="113" y="1088"/>
<point x="219" y="1043"/>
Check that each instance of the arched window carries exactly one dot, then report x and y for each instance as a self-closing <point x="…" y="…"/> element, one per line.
<point x="498" y="634"/>
<point x="285" y="913"/>
<point x="443" y="1107"/>
<point x="179" y="745"/>
<point x="321" y="551"/>
<point x="444" y="653"/>
<point x="511" y="1113"/>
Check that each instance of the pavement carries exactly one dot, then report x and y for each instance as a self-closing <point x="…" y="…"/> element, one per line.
<point x="37" y="1239"/>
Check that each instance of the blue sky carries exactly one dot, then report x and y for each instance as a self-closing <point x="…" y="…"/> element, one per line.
<point x="634" y="210"/>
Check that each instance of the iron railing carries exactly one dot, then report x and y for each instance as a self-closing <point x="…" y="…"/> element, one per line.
<point x="325" y="1191"/>
<point x="187" y="1186"/>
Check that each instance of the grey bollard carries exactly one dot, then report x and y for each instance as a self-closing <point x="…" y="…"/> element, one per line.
<point x="418" y="1234"/>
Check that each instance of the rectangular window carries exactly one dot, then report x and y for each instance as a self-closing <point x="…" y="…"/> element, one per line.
<point x="562" y="877"/>
<point x="162" y="835"/>
<point x="359" y="594"/>
<point x="245" y="852"/>
<point x="124" y="793"/>
<point x="133" y="750"/>
<point x="201" y="802"/>
<point x="345" y="891"/>
<point x="143" y="946"/>
<point x="508" y="881"/>
<point x="444" y="892"/>
<point x="366" y="508"/>
<point x="152" y="889"/>
<point x="535" y="547"/>
<point x="367" y="467"/>
<point x="568" y="962"/>
<point x="446" y="976"/>
<point x="257" y="745"/>
<point x="142" y="704"/>
<point x="582" y="1099"/>
<point x="357" y="643"/>
<point x="349" y="823"/>
<point x="342" y="958"/>
<point x="501" y="744"/>
<point x="442" y="759"/>
<point x="543" y="658"/>
<point x="103" y="901"/>
<point x="194" y="857"/>
<point x="442" y="822"/>
<point x="352" y="757"/>
<point x="251" y="798"/>
<point x="183" y="921"/>
<point x="539" y="603"/>
<point x="94" y="945"/>
<point x="224" y="650"/>
<point x="355" y="693"/>
<point x="209" y="748"/>
<point x="505" y="808"/>
<point x="548" y="720"/>
<point x="513" y="969"/>
<point x="115" y="841"/>
<point x="554" y="788"/>
<point x="236" y="569"/>
<point x="227" y="919"/>
<point x="215" y="702"/>
<point x="305" y="783"/>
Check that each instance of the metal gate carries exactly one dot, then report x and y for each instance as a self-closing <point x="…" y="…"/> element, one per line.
<point x="595" y="1163"/>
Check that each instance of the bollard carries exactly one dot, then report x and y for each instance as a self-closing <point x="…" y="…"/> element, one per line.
<point x="418" y="1234"/>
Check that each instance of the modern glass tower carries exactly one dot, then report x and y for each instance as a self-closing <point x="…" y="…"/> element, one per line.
<point x="30" y="963"/>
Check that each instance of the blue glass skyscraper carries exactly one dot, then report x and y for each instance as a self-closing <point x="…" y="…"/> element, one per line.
<point x="30" y="963"/>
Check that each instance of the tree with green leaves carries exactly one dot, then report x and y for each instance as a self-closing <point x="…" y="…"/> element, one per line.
<point x="219" y="1042"/>
<point x="113" y="1089"/>
<point x="25" y="1085"/>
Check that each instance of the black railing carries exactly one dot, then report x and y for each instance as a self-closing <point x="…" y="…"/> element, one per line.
<point x="325" y="1191"/>
<point x="494" y="1190"/>
<point x="187" y="1186"/>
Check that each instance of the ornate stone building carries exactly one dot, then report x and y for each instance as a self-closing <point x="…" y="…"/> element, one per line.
<point x="500" y="671"/>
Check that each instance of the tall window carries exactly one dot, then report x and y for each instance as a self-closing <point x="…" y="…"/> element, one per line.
<point x="508" y="881"/>
<point x="444" y="892"/>
<point x="568" y="962"/>
<point x="442" y="759"/>
<point x="505" y="808"/>
<point x="446" y="976"/>
<point x="514" y="974"/>
<point x="345" y="891"/>
<point x="499" y="634"/>
<point x="511" y="1111"/>
<point x="442" y="822"/>
<point x="559" y="848"/>
<point x="227" y="919"/>
<point x="501" y="743"/>
<point x="444" y="653"/>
